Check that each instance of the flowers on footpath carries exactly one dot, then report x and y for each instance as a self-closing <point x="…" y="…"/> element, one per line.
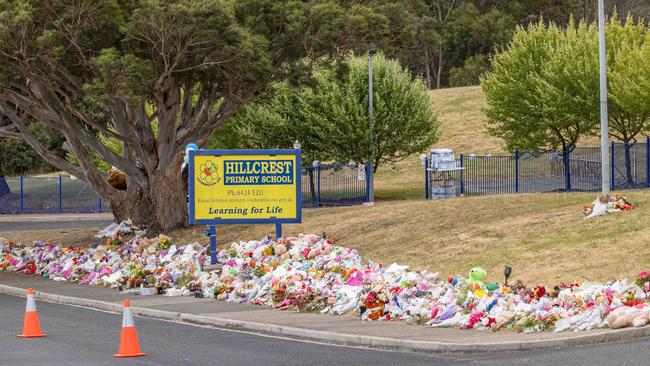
<point x="309" y="273"/>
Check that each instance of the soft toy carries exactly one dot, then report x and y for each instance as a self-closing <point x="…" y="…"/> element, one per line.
<point x="597" y="208"/>
<point x="281" y="251"/>
<point x="625" y="316"/>
<point x="622" y="203"/>
<point x="476" y="277"/>
<point x="117" y="179"/>
<point x="374" y="306"/>
<point x="503" y="318"/>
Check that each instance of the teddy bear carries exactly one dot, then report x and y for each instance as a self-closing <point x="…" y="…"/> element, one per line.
<point x="596" y="208"/>
<point x="476" y="277"/>
<point x="622" y="203"/>
<point x="281" y="251"/>
<point x="625" y="316"/>
<point x="374" y="306"/>
<point x="117" y="179"/>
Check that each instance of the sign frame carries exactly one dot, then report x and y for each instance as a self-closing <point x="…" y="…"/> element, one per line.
<point x="271" y="152"/>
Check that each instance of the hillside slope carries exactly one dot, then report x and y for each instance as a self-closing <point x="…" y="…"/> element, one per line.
<point x="462" y="124"/>
<point x="462" y="129"/>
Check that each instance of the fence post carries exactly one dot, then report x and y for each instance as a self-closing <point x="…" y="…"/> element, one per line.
<point x="462" y="177"/>
<point x="318" y="185"/>
<point x="567" y="169"/>
<point x="100" y="204"/>
<point x="647" y="161"/>
<point x="22" y="195"/>
<point x="516" y="171"/>
<point x="426" y="178"/>
<point x="60" y="194"/>
<point x="612" y="183"/>
<point x="369" y="179"/>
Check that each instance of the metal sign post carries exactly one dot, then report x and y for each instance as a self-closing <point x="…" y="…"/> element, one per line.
<point x="213" y="244"/>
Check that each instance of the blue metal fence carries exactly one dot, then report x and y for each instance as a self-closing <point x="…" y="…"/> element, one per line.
<point x="527" y="172"/>
<point x="322" y="185"/>
<point x="48" y="195"/>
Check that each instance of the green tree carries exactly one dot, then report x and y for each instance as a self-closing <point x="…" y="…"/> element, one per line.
<point x="330" y="118"/>
<point x="543" y="92"/>
<point x="111" y="69"/>
<point x="19" y="158"/>
<point x="470" y="73"/>
<point x="537" y="98"/>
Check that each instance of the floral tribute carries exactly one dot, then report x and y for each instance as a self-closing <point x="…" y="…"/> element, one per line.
<point x="308" y="273"/>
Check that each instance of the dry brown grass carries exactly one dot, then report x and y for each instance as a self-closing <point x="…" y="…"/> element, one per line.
<point x="462" y="124"/>
<point x="542" y="236"/>
<point x="72" y="237"/>
<point x="462" y="128"/>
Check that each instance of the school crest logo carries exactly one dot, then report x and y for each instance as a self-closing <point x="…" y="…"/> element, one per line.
<point x="208" y="174"/>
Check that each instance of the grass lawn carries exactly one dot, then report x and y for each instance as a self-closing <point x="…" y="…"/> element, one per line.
<point x="542" y="236"/>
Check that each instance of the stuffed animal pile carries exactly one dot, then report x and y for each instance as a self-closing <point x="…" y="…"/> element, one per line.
<point x="308" y="273"/>
<point x="606" y="204"/>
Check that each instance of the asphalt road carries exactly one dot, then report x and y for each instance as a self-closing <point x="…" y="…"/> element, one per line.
<point x="79" y="336"/>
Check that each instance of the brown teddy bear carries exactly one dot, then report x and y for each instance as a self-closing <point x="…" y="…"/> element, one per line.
<point x="117" y="179"/>
<point x="281" y="251"/>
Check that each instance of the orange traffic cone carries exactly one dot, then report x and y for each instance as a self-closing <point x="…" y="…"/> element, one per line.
<point x="129" y="345"/>
<point x="31" y="326"/>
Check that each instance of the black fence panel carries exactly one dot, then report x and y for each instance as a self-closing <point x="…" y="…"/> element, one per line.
<point x="629" y="168"/>
<point x="78" y="195"/>
<point x="335" y="185"/>
<point x="486" y="175"/>
<point x="527" y="172"/>
<point x="40" y="194"/>
<point x="585" y="169"/>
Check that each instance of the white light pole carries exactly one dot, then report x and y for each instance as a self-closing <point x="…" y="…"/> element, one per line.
<point x="604" y="143"/>
<point x="371" y="124"/>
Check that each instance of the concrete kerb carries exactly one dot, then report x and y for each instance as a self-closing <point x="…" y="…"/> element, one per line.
<point x="342" y="339"/>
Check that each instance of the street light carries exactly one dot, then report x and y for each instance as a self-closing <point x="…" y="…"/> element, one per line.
<point x="604" y="156"/>
<point x="371" y="120"/>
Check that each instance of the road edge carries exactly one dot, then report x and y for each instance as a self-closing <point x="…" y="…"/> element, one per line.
<point x="341" y="339"/>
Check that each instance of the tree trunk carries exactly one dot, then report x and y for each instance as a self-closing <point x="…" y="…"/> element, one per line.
<point x="162" y="206"/>
<point x="169" y="201"/>
<point x="566" y="158"/>
<point x="628" y="164"/>
<point x="4" y="187"/>
<point x="439" y="73"/>
<point x="427" y="65"/>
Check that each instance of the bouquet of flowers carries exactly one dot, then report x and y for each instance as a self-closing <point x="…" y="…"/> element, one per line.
<point x="164" y="242"/>
<point x="114" y="241"/>
<point x="643" y="281"/>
